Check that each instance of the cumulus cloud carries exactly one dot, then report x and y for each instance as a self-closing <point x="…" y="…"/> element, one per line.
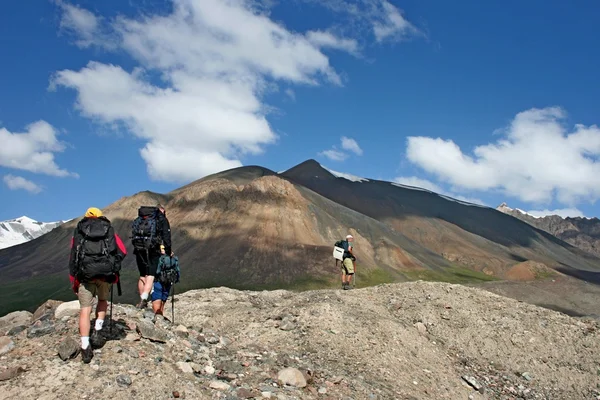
<point x="19" y="183"/>
<point x="32" y="150"/>
<point x="83" y="24"/>
<point x="537" y="159"/>
<point x="215" y="59"/>
<point x="348" y="145"/>
<point x="562" y="212"/>
<point x="427" y="184"/>
<point x="391" y="24"/>
<point x="351" y="145"/>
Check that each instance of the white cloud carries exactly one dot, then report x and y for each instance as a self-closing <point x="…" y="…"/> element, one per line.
<point x="562" y="212"/>
<point x="20" y="183"/>
<point x="291" y="94"/>
<point x="537" y="160"/>
<point x="32" y="150"/>
<point x="216" y="59"/>
<point x="380" y="17"/>
<point x="392" y="23"/>
<point x="426" y="184"/>
<point x="80" y="22"/>
<point x="351" y="145"/>
<point x="348" y="145"/>
<point x="324" y="39"/>
<point x="334" y="155"/>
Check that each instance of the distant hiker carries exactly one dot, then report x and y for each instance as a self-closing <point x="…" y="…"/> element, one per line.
<point x="94" y="264"/>
<point x="167" y="274"/>
<point x="149" y="230"/>
<point x="347" y="257"/>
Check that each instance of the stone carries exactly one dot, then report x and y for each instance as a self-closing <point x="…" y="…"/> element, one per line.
<point x="6" y="345"/>
<point x="15" y="318"/>
<point x="67" y="309"/>
<point x="322" y="390"/>
<point x="525" y="375"/>
<point x="176" y="394"/>
<point x="123" y="380"/>
<point x="244" y="393"/>
<point x="185" y="367"/>
<point x="40" y="328"/>
<point x="68" y="348"/>
<point x="472" y="381"/>
<point x="287" y="326"/>
<point x="10" y="373"/>
<point x="15" y="330"/>
<point x="132" y="337"/>
<point x="210" y="370"/>
<point x="151" y="332"/>
<point x="291" y="377"/>
<point x="421" y="328"/>
<point x="181" y="331"/>
<point x="46" y="310"/>
<point x="219" y="385"/>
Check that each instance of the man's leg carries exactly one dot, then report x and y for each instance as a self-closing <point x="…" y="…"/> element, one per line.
<point x="85" y="296"/>
<point x="142" y="264"/>
<point x="102" y="290"/>
<point x="156" y="298"/>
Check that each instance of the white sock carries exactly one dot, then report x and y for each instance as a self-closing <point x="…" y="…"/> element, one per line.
<point x="85" y="342"/>
<point x="99" y="323"/>
<point x="144" y="296"/>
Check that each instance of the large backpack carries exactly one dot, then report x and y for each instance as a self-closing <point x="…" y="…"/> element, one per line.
<point x="144" y="229"/>
<point x="340" y="250"/>
<point x="92" y="258"/>
<point x="168" y="269"/>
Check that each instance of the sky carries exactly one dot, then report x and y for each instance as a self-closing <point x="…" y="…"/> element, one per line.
<point x="487" y="102"/>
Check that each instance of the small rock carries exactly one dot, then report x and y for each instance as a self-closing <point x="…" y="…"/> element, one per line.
<point x="219" y="385"/>
<point x="287" y="326"/>
<point x="266" y="395"/>
<point x="337" y="380"/>
<point x="421" y="328"/>
<point x="322" y="390"/>
<point x="209" y="370"/>
<point x="291" y="377"/>
<point x="213" y="339"/>
<point x="123" y="380"/>
<point x="6" y="345"/>
<point x="67" y="309"/>
<point x="151" y="332"/>
<point x="472" y="381"/>
<point x="525" y="375"/>
<point x="68" y="348"/>
<point x="15" y="318"/>
<point x="40" y="328"/>
<point x="10" y="373"/>
<point x="15" y="330"/>
<point x="185" y="367"/>
<point x="46" y="310"/>
<point x="181" y="331"/>
<point x="244" y="393"/>
<point x="132" y="337"/>
<point x="176" y="394"/>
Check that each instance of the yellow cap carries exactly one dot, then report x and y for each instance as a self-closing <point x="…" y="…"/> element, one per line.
<point x="93" y="212"/>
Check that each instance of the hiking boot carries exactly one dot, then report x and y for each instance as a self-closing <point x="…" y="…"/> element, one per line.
<point x="345" y="287"/>
<point x="97" y="339"/>
<point x="142" y="304"/>
<point x="87" y="354"/>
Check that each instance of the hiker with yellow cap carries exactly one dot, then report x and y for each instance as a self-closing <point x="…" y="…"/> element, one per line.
<point x="94" y="264"/>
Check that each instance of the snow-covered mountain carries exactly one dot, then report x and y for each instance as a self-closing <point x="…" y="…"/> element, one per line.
<point x="579" y="231"/>
<point x="23" y="229"/>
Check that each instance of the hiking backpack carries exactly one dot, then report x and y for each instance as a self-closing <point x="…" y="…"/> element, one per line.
<point x="340" y="250"/>
<point x="168" y="269"/>
<point x="92" y="258"/>
<point x="144" y="229"/>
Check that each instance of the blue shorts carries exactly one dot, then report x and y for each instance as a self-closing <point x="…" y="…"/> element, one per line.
<point x="161" y="291"/>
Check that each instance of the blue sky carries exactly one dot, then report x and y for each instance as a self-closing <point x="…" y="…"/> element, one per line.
<point x="480" y="101"/>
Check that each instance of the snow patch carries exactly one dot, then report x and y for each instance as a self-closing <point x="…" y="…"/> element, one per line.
<point x="349" y="177"/>
<point x="411" y="187"/>
<point x="466" y="203"/>
<point x="23" y="229"/>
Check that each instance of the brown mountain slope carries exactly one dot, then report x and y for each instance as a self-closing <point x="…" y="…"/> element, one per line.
<point x="245" y="228"/>
<point x="583" y="233"/>
<point x="478" y="237"/>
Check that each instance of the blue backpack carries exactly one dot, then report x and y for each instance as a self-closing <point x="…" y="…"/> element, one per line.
<point x="168" y="271"/>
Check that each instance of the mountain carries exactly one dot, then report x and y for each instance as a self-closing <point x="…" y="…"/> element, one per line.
<point x="418" y="340"/>
<point x="583" y="233"/>
<point x="23" y="229"/>
<point x="467" y="234"/>
<point x="252" y="228"/>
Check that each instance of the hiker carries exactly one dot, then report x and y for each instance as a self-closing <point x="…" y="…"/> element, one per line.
<point x="348" y="262"/>
<point x="167" y="274"/>
<point x="150" y="229"/>
<point x="94" y="264"/>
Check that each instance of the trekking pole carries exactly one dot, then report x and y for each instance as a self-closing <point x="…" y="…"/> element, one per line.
<point x="173" y="305"/>
<point x="111" y="306"/>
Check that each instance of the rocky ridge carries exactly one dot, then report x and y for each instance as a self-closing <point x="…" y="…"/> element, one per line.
<point x="414" y="340"/>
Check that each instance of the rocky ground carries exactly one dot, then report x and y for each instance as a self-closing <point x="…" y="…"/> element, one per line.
<point x="414" y="340"/>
